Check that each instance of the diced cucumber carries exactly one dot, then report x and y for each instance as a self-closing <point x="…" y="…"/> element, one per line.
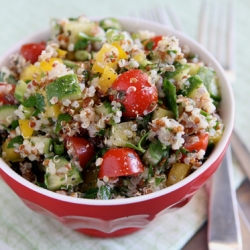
<point x="193" y="86"/>
<point x="70" y="64"/>
<point x="210" y="80"/>
<point x="154" y="153"/>
<point x="58" y="175"/>
<point x="58" y="148"/>
<point x="28" y="112"/>
<point x="180" y="71"/>
<point x="44" y="140"/>
<point x="21" y="88"/>
<point x="121" y="134"/>
<point x="194" y="68"/>
<point x="103" y="109"/>
<point x="64" y="87"/>
<point x="161" y="112"/>
<point x="7" y="114"/>
<point x="82" y="55"/>
<point x="73" y="28"/>
<point x="110" y="23"/>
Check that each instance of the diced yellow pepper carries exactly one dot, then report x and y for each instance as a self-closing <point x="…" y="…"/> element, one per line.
<point x="178" y="172"/>
<point x="107" y="56"/>
<point x="122" y="54"/>
<point x="52" y="111"/>
<point x="47" y="66"/>
<point x="140" y="57"/>
<point x="216" y="136"/>
<point x="9" y="154"/>
<point x="26" y="130"/>
<point x="61" y="53"/>
<point x="31" y="73"/>
<point x="107" y="78"/>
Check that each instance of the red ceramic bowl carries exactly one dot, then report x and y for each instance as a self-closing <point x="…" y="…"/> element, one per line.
<point x="109" y="218"/>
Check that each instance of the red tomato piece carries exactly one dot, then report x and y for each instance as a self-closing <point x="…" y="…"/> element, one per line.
<point x="135" y="93"/>
<point x="152" y="43"/>
<point x="120" y="162"/>
<point x="192" y="146"/>
<point x="7" y="93"/>
<point x="202" y="143"/>
<point x="83" y="150"/>
<point x="32" y="51"/>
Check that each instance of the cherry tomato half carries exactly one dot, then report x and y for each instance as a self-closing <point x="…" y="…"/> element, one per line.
<point x="7" y="93"/>
<point x="83" y="150"/>
<point x="32" y="51"/>
<point x="120" y="162"/>
<point x="152" y="43"/>
<point x="192" y="146"/>
<point x="133" y="90"/>
<point x="202" y="143"/>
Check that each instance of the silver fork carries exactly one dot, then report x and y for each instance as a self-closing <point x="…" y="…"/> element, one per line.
<point x="224" y="229"/>
<point x="223" y="224"/>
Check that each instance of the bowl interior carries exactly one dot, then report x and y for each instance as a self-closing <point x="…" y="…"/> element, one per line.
<point x="226" y="108"/>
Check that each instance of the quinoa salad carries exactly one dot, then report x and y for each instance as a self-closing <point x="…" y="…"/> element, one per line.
<point x="98" y="112"/>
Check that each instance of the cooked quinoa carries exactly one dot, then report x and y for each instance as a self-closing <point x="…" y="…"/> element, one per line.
<point x="104" y="113"/>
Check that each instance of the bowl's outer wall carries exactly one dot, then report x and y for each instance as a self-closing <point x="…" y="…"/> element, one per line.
<point x="109" y="215"/>
<point x="122" y="218"/>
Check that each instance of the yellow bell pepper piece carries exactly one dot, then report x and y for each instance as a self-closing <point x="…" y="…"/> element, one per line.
<point x="9" y="154"/>
<point x="178" y="172"/>
<point x="47" y="66"/>
<point x="107" y="56"/>
<point x="52" y="111"/>
<point x="139" y="57"/>
<point x="31" y="73"/>
<point x="26" y="130"/>
<point x="107" y="78"/>
<point x="61" y="53"/>
<point x="122" y="54"/>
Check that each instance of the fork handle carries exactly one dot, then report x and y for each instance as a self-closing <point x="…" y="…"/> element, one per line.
<point x="224" y="225"/>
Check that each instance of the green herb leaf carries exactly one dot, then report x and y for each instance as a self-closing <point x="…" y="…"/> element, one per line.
<point x="4" y="126"/>
<point x="10" y="79"/>
<point x="204" y="113"/>
<point x="178" y="69"/>
<point x="16" y="140"/>
<point x="36" y="101"/>
<point x="158" y="180"/>
<point x="139" y="147"/>
<point x="169" y="90"/>
<point x="81" y="44"/>
<point x="30" y="102"/>
<point x="89" y="38"/>
<point x="149" y="45"/>
<point x="156" y="150"/>
<point x="100" y="153"/>
<point x="143" y="124"/>
<point x="62" y="117"/>
<point x="91" y="193"/>
<point x="73" y="18"/>
<point x="107" y="105"/>
<point x="150" y="172"/>
<point x="172" y="51"/>
<point x="14" y="124"/>
<point x="184" y="151"/>
<point x="105" y="192"/>
<point x="40" y="103"/>
<point x="58" y="148"/>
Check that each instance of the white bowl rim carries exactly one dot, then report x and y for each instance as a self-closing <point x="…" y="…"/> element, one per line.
<point x="212" y="158"/>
